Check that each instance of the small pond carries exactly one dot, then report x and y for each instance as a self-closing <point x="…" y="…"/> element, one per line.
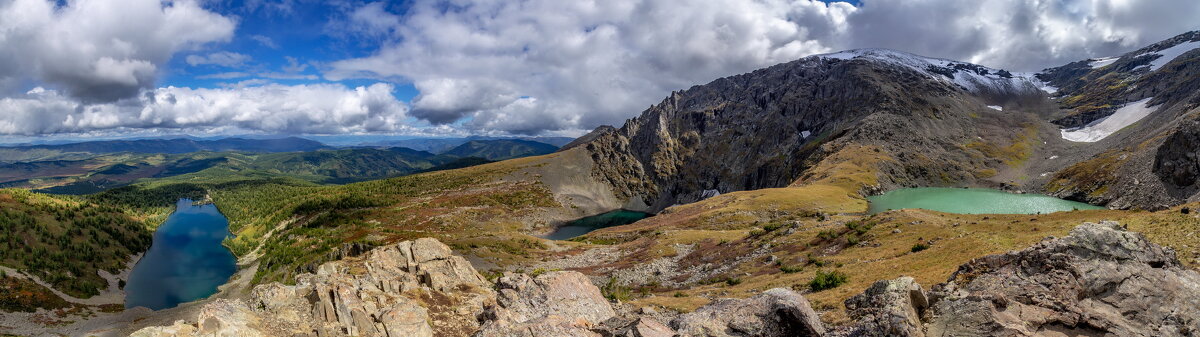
<point x="186" y="262"/>
<point x="972" y="201"/>
<point x="585" y="225"/>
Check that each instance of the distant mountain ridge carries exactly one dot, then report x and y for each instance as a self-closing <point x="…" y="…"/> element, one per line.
<point x="439" y="145"/>
<point x="500" y="149"/>
<point x="183" y="145"/>
<point x="99" y="172"/>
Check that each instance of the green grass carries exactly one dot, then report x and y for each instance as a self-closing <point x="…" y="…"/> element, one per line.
<point x="827" y="280"/>
<point x="919" y="247"/>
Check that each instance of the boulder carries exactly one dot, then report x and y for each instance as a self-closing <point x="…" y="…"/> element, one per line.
<point x="645" y="327"/>
<point x="888" y="308"/>
<point x="555" y="303"/>
<point x="776" y="312"/>
<point x="220" y="318"/>
<point x="1098" y="281"/>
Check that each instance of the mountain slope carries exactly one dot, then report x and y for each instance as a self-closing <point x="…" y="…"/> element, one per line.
<point x="67" y="242"/>
<point x="500" y="149"/>
<point x="1150" y="161"/>
<point x="765" y="128"/>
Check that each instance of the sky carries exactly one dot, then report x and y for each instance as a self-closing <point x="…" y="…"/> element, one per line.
<point x="137" y="68"/>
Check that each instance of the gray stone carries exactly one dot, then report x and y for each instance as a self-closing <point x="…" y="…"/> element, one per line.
<point x="1098" y="281"/>
<point x="376" y="294"/>
<point x="776" y="312"/>
<point x="889" y="308"/>
<point x="553" y="300"/>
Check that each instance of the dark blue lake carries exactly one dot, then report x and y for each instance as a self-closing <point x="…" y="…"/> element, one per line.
<point x="587" y="224"/>
<point x="186" y="262"/>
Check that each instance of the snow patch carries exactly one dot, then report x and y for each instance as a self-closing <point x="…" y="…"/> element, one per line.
<point x="1102" y="128"/>
<point x="1166" y="55"/>
<point x="1103" y="61"/>
<point x="804" y="134"/>
<point x="709" y="194"/>
<point x="996" y="107"/>
<point x="973" y="77"/>
<point x="1041" y="85"/>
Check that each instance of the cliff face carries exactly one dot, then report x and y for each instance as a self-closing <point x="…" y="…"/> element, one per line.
<point x="764" y="128"/>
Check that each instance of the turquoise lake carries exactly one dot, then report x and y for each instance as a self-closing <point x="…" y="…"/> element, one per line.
<point x="585" y="225"/>
<point x="972" y="201"/>
<point x="186" y="262"/>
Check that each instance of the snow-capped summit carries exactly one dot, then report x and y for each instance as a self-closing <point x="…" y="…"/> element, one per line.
<point x="972" y="77"/>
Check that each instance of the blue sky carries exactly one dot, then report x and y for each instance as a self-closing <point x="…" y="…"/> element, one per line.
<point x="302" y="35"/>
<point x="126" y="68"/>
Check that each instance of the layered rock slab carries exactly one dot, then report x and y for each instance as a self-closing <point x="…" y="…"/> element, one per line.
<point x="414" y="288"/>
<point x="1100" y="280"/>
<point x="551" y="304"/>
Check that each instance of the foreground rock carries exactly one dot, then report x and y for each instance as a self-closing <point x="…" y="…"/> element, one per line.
<point x="1098" y="281"/>
<point x="414" y="288"/>
<point x="889" y="308"/>
<point x="551" y="304"/>
<point x="776" y="312"/>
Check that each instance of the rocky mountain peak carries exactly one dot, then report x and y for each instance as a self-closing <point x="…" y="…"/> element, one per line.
<point x="764" y="128"/>
<point x="969" y="76"/>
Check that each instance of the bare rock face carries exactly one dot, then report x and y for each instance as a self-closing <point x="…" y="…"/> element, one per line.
<point x="1098" y="281"/>
<point x="646" y="327"/>
<point x="888" y="308"/>
<point x="776" y="312"/>
<point x="552" y="304"/>
<point x="414" y="288"/>
<point x="1178" y="159"/>
<point x="221" y="318"/>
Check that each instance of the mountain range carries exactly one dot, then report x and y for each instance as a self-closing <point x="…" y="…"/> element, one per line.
<point x="108" y="164"/>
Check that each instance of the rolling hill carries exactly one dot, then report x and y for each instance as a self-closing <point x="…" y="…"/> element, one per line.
<point x="25" y="153"/>
<point x="500" y="149"/>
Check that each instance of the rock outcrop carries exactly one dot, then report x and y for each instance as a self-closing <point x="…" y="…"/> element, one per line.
<point x="220" y="318"/>
<point x="414" y="288"/>
<point x="1177" y="161"/>
<point x="776" y="312"/>
<point x="551" y="304"/>
<point x="1098" y="281"/>
<point x="889" y="308"/>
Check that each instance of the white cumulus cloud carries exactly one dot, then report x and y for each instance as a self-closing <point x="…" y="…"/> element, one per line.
<point x="537" y="65"/>
<point x="99" y="50"/>
<point x="272" y="108"/>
